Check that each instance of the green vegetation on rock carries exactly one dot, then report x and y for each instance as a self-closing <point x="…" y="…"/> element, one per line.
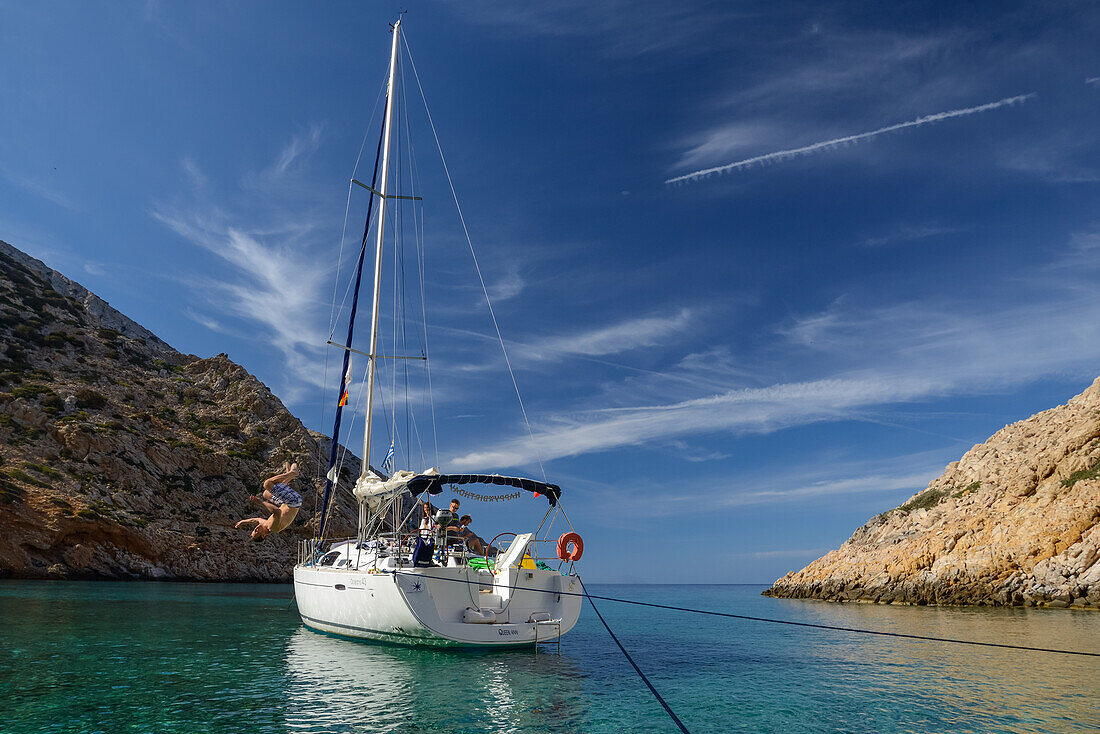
<point x="22" y="476"/>
<point x="927" y="499"/>
<point x="967" y="489"/>
<point x="1091" y="473"/>
<point x="87" y="398"/>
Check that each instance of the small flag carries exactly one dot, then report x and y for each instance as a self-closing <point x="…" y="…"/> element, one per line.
<point x="387" y="463"/>
<point x="537" y="494"/>
<point x="347" y="385"/>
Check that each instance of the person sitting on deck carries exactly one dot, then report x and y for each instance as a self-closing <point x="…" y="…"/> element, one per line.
<point x="280" y="500"/>
<point x="472" y="541"/>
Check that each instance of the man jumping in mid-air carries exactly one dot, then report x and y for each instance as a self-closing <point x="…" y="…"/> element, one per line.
<point x="280" y="500"/>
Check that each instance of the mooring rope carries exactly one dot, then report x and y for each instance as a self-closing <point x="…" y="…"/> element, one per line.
<point x="835" y="628"/>
<point x="660" y="700"/>
<point x="856" y="630"/>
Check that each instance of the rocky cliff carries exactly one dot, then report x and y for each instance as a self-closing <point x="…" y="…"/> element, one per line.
<point x="122" y="458"/>
<point x="1016" y="521"/>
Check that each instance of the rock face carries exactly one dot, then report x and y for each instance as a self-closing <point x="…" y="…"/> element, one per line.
<point x="1015" y="522"/>
<point x="122" y="458"/>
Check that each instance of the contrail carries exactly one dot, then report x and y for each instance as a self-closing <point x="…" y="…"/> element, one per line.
<point x="782" y="155"/>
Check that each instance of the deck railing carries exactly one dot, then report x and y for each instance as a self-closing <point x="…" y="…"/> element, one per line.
<point x="310" y="550"/>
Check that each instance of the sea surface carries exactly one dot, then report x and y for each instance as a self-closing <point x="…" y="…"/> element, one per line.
<point x="160" y="657"/>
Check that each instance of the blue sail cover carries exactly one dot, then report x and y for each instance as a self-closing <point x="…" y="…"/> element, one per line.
<point x="433" y="484"/>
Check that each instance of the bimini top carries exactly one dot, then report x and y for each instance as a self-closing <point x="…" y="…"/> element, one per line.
<point x="372" y="488"/>
<point x="433" y="483"/>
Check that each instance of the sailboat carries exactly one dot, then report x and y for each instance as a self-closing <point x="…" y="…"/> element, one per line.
<point x="424" y="585"/>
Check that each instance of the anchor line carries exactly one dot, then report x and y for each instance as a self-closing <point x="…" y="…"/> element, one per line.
<point x="660" y="700"/>
<point x="812" y="625"/>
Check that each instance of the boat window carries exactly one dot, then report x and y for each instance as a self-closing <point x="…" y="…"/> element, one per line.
<point x="329" y="558"/>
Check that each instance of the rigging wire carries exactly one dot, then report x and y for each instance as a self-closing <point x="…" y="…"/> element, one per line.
<point x="408" y="438"/>
<point x="332" y="314"/>
<point x="404" y="319"/>
<point x="332" y="307"/>
<point x="343" y="232"/>
<point x="396" y="231"/>
<point x="347" y="354"/>
<point x="421" y="247"/>
<point x="418" y="241"/>
<point x="477" y="267"/>
<point x="410" y="417"/>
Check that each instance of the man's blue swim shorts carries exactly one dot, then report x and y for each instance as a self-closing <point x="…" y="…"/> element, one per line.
<point x="282" y="494"/>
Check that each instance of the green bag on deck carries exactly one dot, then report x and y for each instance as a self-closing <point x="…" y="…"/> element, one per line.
<point x="479" y="562"/>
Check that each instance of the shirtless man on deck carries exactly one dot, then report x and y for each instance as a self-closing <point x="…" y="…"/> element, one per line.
<point x="280" y="500"/>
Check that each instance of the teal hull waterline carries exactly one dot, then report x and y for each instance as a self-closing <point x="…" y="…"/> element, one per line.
<point x="360" y="634"/>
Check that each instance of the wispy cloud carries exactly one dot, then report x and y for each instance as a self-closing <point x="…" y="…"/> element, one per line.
<point x="815" y="480"/>
<point x="836" y="60"/>
<point x="275" y="286"/>
<point x="153" y="13"/>
<point x="40" y="189"/>
<point x="194" y="173"/>
<point x="203" y="320"/>
<point x="509" y="286"/>
<point x="785" y="553"/>
<point x="299" y="147"/>
<point x="878" y="356"/>
<point x="613" y="339"/>
<point x="624" y="29"/>
<point x="1060" y="156"/>
<point x="591" y="343"/>
<point x="691" y="453"/>
<point x="727" y="140"/>
<point x="782" y="155"/>
<point x="1093" y="80"/>
<point x="738" y="411"/>
<point x="271" y="277"/>
<point x="909" y="234"/>
<point x="884" y="482"/>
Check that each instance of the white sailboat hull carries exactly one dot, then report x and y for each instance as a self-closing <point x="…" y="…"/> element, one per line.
<point x="438" y="606"/>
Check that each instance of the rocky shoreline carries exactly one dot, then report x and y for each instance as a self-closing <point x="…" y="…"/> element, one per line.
<point x="1014" y="522"/>
<point x="121" y="458"/>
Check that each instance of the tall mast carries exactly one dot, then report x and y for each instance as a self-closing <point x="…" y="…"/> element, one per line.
<point x="391" y="98"/>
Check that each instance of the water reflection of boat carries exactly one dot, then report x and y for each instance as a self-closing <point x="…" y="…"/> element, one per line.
<point x="334" y="686"/>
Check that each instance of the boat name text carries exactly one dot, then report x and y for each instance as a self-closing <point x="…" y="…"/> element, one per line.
<point x="487" y="497"/>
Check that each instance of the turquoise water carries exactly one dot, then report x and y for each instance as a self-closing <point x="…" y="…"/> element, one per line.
<point x="149" y="657"/>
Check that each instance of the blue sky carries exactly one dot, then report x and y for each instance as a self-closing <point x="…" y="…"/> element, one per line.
<point x="893" y="255"/>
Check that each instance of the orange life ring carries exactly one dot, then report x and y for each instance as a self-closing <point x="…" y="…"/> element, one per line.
<point x="565" y="541"/>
